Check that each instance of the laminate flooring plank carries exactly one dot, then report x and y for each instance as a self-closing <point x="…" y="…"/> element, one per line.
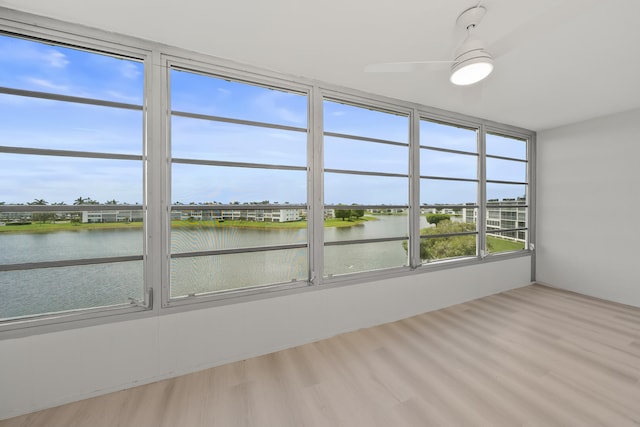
<point x="443" y="371"/>
<point x="511" y="384"/>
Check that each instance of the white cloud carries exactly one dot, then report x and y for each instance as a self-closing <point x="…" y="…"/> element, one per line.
<point x="54" y="58"/>
<point x="289" y="115"/>
<point x="21" y="51"/>
<point x="272" y="102"/>
<point x="45" y="84"/>
<point x="113" y="94"/>
<point x="129" y="70"/>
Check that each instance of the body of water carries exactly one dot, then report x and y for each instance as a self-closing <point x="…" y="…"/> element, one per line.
<point x="26" y="292"/>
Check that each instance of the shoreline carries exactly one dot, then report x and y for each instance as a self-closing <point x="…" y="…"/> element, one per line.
<point x="34" y="228"/>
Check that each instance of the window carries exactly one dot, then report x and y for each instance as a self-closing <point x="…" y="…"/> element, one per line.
<point x="448" y="191"/>
<point x="238" y="185"/>
<point x="507" y="189"/>
<point x="124" y="185"/>
<point x="366" y="188"/>
<point x="71" y="165"/>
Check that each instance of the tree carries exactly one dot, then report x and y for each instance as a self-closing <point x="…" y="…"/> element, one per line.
<point x="450" y="246"/>
<point x="435" y="218"/>
<point x="39" y="202"/>
<point x="85" y="201"/>
<point x="357" y="213"/>
<point x="111" y="202"/>
<point x="343" y="213"/>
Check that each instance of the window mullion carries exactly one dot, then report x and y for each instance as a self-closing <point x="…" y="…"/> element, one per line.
<point x="316" y="187"/>
<point x="155" y="190"/>
<point x="482" y="192"/>
<point x="531" y="201"/>
<point x="414" y="190"/>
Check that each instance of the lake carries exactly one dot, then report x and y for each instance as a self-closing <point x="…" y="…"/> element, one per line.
<point x="45" y="290"/>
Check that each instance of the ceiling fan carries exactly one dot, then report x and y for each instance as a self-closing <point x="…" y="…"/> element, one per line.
<point x="471" y="64"/>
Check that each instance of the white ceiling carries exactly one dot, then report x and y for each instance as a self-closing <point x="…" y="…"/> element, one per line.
<point x="561" y="61"/>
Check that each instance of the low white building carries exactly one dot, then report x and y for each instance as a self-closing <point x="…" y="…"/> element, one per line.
<point x="258" y="215"/>
<point x="112" y="216"/>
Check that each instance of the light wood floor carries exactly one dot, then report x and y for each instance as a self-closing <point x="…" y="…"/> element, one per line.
<point x="534" y="356"/>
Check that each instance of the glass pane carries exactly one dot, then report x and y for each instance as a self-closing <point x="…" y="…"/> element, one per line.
<point x="41" y="67"/>
<point x="347" y="189"/>
<point x="447" y="221"/>
<point x="351" y="154"/>
<point x="507" y="241"/>
<point x="216" y="184"/>
<point x="376" y="224"/>
<point x="51" y="179"/>
<point x="193" y="229"/>
<point x="506" y="170"/>
<point x="504" y="216"/>
<point x="210" y="140"/>
<point x="451" y="137"/>
<point x="432" y="217"/>
<point x="443" y="192"/>
<point x="196" y="93"/>
<point x="499" y="145"/>
<point x="358" y="121"/>
<point x="441" y="248"/>
<point x="54" y="236"/>
<point x="56" y="125"/>
<point x="450" y="165"/>
<point x="50" y="290"/>
<point x="507" y="193"/>
<point x="204" y="274"/>
<point x="347" y="259"/>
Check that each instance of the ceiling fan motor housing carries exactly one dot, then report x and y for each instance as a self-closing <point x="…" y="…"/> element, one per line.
<point x="472" y="62"/>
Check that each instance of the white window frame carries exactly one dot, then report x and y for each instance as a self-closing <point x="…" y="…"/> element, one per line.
<point x="156" y="58"/>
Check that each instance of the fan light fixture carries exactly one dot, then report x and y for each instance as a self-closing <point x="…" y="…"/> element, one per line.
<point x="472" y="62"/>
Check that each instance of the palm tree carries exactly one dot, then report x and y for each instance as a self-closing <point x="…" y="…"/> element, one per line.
<point x="38" y="202"/>
<point x="111" y="202"/>
<point x="79" y="201"/>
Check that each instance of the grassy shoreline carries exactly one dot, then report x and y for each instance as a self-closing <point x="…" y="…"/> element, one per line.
<point x="69" y="226"/>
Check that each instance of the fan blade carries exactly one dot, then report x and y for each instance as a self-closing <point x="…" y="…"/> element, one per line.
<point x="552" y="18"/>
<point x="404" y="67"/>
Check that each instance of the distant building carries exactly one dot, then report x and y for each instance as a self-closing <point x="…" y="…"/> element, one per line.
<point x="112" y="216"/>
<point x="258" y="215"/>
<point x="505" y="214"/>
<point x="509" y="214"/>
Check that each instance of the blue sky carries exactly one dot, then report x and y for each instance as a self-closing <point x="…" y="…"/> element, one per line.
<point x="38" y="123"/>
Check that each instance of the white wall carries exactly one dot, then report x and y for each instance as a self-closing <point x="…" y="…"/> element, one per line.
<point x="588" y="211"/>
<point x="46" y="370"/>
